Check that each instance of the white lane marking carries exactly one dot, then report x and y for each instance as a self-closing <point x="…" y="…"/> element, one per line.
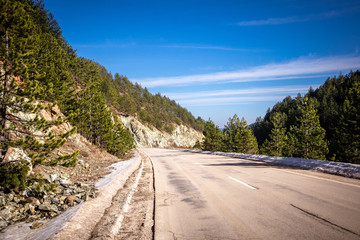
<point x="116" y="227"/>
<point x="326" y="179"/>
<point x="245" y="184"/>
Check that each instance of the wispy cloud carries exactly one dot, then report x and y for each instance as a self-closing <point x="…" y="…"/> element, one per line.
<point x="273" y="21"/>
<point x="237" y="96"/>
<point x="209" y="47"/>
<point x="237" y="92"/>
<point x="299" y="68"/>
<point x="106" y="44"/>
<point x="294" y="19"/>
<point x="229" y="100"/>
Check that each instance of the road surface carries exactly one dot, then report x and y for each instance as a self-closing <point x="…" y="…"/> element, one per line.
<point x="200" y="196"/>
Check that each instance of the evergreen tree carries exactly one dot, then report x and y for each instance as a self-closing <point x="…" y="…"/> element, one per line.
<point x="20" y="92"/>
<point x="262" y="129"/>
<point x="238" y="137"/>
<point x="349" y="129"/>
<point x="290" y="145"/>
<point x="275" y="146"/>
<point x="309" y="135"/>
<point x="212" y="137"/>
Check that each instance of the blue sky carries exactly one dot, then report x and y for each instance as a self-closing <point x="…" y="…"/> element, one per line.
<point x="217" y="58"/>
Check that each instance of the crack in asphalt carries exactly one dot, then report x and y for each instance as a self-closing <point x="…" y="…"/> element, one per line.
<point x="324" y="220"/>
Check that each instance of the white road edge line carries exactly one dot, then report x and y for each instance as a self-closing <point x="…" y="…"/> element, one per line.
<point x="326" y="179"/>
<point x="116" y="227"/>
<point x="245" y="184"/>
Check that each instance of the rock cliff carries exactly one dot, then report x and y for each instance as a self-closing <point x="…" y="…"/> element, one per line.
<point x="145" y="136"/>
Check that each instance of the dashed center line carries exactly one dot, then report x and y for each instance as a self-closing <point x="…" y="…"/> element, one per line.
<point x="241" y="182"/>
<point x="200" y="164"/>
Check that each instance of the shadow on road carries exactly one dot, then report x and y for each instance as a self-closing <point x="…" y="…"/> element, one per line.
<point x="240" y="164"/>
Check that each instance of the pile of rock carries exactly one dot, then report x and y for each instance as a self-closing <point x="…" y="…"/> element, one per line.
<point x="30" y="205"/>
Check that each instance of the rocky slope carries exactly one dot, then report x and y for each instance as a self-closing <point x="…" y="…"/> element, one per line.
<point x="73" y="185"/>
<point x="146" y="136"/>
<point x="76" y="184"/>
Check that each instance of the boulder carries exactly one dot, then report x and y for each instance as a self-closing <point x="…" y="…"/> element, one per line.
<point x="7" y="213"/>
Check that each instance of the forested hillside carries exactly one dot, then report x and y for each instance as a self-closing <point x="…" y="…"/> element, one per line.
<point x="156" y="110"/>
<point x="323" y="124"/>
<point x="128" y="98"/>
<point x="335" y="117"/>
<point x="40" y="70"/>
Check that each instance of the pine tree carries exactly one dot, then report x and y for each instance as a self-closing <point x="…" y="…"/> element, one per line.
<point x="349" y="129"/>
<point x="121" y="141"/>
<point x="213" y="137"/>
<point x="290" y="145"/>
<point x="275" y="146"/>
<point x="309" y="135"/>
<point x="20" y="92"/>
<point x="93" y="118"/>
<point x="238" y="137"/>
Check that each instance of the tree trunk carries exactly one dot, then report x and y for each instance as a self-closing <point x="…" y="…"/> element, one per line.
<point x="3" y="104"/>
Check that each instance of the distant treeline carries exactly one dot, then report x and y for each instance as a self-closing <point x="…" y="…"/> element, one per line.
<point x="323" y="124"/>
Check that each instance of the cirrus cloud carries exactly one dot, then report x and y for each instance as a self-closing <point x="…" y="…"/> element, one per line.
<point x="303" y="67"/>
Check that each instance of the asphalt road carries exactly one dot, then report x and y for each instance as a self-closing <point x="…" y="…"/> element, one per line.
<point x="201" y="196"/>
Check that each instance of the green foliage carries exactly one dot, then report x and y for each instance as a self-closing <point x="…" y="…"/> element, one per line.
<point x="14" y="175"/>
<point x="93" y="118"/>
<point x="39" y="64"/>
<point x="331" y="102"/>
<point x="331" y="96"/>
<point x="21" y="87"/>
<point x="309" y="135"/>
<point x="197" y="145"/>
<point x="349" y="127"/>
<point x="238" y="137"/>
<point x="277" y="143"/>
<point x="213" y="140"/>
<point x="156" y="110"/>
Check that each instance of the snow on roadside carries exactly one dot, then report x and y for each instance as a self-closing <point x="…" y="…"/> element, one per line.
<point x="107" y="186"/>
<point x="82" y="224"/>
<point x="338" y="168"/>
<point x="115" y="169"/>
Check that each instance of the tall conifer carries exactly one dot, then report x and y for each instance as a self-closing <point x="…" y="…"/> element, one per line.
<point x="275" y="146"/>
<point x="213" y="137"/>
<point x="309" y="135"/>
<point x="238" y="137"/>
<point x="349" y="127"/>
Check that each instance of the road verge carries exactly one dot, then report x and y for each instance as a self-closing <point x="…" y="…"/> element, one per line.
<point x="78" y="222"/>
<point x="342" y="169"/>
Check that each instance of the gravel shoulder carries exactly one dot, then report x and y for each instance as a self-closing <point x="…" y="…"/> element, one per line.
<point x="79" y="221"/>
<point x="130" y="215"/>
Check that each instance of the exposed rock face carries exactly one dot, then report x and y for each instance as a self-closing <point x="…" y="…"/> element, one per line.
<point x="48" y="114"/>
<point x="73" y="185"/>
<point x="144" y="136"/>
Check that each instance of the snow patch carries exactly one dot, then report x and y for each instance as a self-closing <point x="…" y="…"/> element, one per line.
<point x="116" y="169"/>
<point x="343" y="169"/>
